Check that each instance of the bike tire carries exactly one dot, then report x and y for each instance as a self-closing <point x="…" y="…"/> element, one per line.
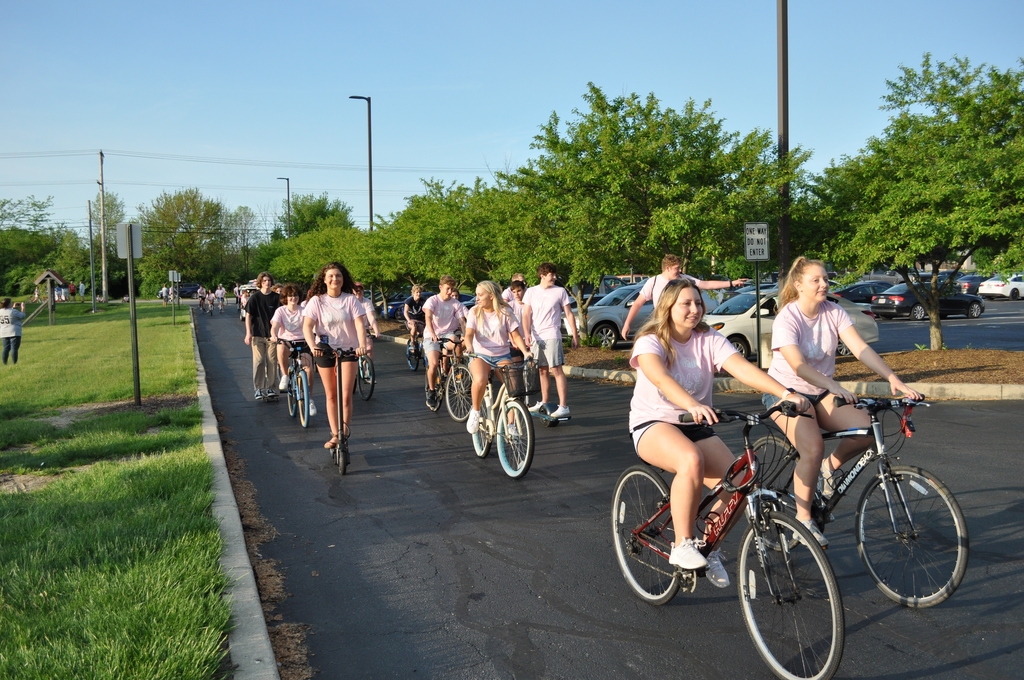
<point x="366" y="377"/>
<point x="293" y="404"/>
<point x="412" y="355"/>
<point x="303" y="397"/>
<point x="515" y="440"/>
<point x="458" y="393"/>
<point x="918" y="568"/>
<point x="639" y="493"/>
<point x="481" y="442"/>
<point x="342" y="456"/>
<point x="437" y="381"/>
<point x="790" y="599"/>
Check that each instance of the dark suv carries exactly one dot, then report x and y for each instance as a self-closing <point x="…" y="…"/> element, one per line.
<point x="188" y="290"/>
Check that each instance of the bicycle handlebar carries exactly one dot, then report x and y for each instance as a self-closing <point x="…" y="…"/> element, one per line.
<point x="786" y="408"/>
<point x="881" y="404"/>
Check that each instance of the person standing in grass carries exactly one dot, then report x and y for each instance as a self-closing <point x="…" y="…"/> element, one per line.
<point x="259" y="310"/>
<point x="10" y="329"/>
<point x="542" y="327"/>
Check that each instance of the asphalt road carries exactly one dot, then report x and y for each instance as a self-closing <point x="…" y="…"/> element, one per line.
<point x="427" y="562"/>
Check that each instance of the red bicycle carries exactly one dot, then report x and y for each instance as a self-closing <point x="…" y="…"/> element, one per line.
<point x="788" y="592"/>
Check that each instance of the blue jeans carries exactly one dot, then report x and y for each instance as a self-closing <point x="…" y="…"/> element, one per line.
<point x="11" y="346"/>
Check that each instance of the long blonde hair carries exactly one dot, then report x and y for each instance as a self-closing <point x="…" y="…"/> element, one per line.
<point x="498" y="303"/>
<point x="660" y="323"/>
<point x="796" y="272"/>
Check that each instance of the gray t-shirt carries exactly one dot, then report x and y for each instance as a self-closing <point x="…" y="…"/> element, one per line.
<point x="10" y="322"/>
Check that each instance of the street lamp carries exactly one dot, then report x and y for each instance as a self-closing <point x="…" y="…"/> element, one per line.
<point x="288" y="187"/>
<point x="369" y="151"/>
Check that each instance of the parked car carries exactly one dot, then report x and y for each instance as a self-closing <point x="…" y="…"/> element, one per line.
<point x="188" y="290"/>
<point x="608" y="284"/>
<point x="396" y="304"/>
<point x="736" y="320"/>
<point x="862" y="291"/>
<point x="969" y="283"/>
<point x="901" y="301"/>
<point x="606" y="316"/>
<point x="244" y="291"/>
<point x="998" y="286"/>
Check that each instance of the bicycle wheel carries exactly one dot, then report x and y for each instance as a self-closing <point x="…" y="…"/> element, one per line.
<point x="412" y="355"/>
<point x="515" y="439"/>
<point x="639" y="494"/>
<point x="342" y="455"/>
<point x="790" y="599"/>
<point x="437" y="381"/>
<point x="366" y="377"/>
<point x="776" y="459"/>
<point x="302" y="390"/>
<point x="293" y="405"/>
<point x="912" y="537"/>
<point x="481" y="442"/>
<point x="458" y="396"/>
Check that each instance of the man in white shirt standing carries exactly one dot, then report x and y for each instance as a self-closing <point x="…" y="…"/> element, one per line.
<point x="543" y="306"/>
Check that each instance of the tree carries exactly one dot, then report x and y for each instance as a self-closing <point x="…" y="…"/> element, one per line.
<point x="627" y="182"/>
<point x="182" y="231"/>
<point x="25" y="213"/>
<point x="244" y="233"/>
<point x="114" y="213"/>
<point x="944" y="179"/>
<point x="310" y="212"/>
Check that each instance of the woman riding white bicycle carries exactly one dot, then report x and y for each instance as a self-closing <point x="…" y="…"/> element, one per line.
<point x="805" y="334"/>
<point x="490" y="326"/>
<point x="676" y="356"/>
<point x="286" y="329"/>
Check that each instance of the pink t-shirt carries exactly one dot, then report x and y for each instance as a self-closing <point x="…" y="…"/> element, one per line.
<point x="817" y="339"/>
<point x="517" y="310"/>
<point x="546" y="307"/>
<point x="289" y="324"/>
<point x="653" y="286"/>
<point x="491" y="334"/>
<point x="335" y="318"/>
<point x="694" y="369"/>
<point x="446" y="313"/>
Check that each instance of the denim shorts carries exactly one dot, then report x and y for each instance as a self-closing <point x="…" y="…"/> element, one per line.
<point x="494" y="361"/>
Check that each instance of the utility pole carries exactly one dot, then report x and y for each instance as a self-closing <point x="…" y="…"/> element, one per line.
<point x="288" y="188"/>
<point x="103" y="235"/>
<point x="92" y="262"/>
<point x="782" y="25"/>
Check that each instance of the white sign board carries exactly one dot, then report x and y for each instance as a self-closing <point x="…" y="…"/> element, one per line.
<point x="755" y="239"/>
<point x="173" y="276"/>
<point x="122" y="240"/>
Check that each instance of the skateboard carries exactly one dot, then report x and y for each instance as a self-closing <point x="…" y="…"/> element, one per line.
<point x="548" y="420"/>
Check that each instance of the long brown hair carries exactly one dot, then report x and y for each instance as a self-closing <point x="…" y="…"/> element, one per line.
<point x="796" y="272"/>
<point x="319" y="287"/>
<point x="660" y="323"/>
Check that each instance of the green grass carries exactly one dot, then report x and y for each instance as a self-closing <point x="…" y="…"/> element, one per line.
<point x="113" y="571"/>
<point x="87" y="358"/>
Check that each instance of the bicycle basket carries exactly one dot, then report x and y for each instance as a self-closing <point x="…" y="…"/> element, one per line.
<point x="521" y="379"/>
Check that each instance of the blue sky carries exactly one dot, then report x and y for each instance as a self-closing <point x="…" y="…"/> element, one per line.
<point x="459" y="89"/>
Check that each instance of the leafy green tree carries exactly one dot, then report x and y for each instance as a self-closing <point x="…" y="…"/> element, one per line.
<point x="114" y="213"/>
<point x="183" y="231"/>
<point x="25" y="213"/>
<point x="944" y="179"/>
<point x="310" y="212"/>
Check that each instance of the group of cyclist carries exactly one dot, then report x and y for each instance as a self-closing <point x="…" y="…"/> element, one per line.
<point x="211" y="298"/>
<point x="677" y="355"/>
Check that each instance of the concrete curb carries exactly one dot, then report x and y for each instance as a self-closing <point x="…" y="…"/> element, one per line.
<point x="248" y="641"/>
<point x="967" y="391"/>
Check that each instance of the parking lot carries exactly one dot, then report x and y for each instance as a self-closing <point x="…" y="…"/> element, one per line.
<point x="1001" y="326"/>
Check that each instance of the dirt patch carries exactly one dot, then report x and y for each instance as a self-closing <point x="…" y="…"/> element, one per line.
<point x="150" y="405"/>
<point x="287" y="639"/>
<point x="986" y="366"/>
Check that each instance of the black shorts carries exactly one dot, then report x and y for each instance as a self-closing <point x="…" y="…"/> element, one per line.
<point x="328" y="358"/>
<point x="691" y="431"/>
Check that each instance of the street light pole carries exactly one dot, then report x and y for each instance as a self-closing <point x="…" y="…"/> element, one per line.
<point x="369" y="150"/>
<point x="782" y="27"/>
<point x="288" y="187"/>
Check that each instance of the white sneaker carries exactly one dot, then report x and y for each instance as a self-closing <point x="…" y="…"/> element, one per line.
<point x="560" y="412"/>
<point x="473" y="424"/>
<point x="259" y="394"/>
<point x="312" y="408"/>
<point x="686" y="554"/>
<point x="283" y="384"/>
<point x="716" y="573"/>
<point x="813" y="528"/>
<point x="539" y="407"/>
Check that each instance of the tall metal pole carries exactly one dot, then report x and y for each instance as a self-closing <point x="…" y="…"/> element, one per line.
<point x="92" y="263"/>
<point x="369" y="150"/>
<point x="782" y="21"/>
<point x="103" y="235"/>
<point x="288" y="187"/>
<point x="130" y="240"/>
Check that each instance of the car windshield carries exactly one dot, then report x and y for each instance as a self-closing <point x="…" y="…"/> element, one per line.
<point x="735" y="305"/>
<point x="617" y="296"/>
<point x="898" y="288"/>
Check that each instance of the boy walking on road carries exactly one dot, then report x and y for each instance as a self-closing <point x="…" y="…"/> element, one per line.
<point x="259" y="310"/>
<point x="543" y="306"/>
